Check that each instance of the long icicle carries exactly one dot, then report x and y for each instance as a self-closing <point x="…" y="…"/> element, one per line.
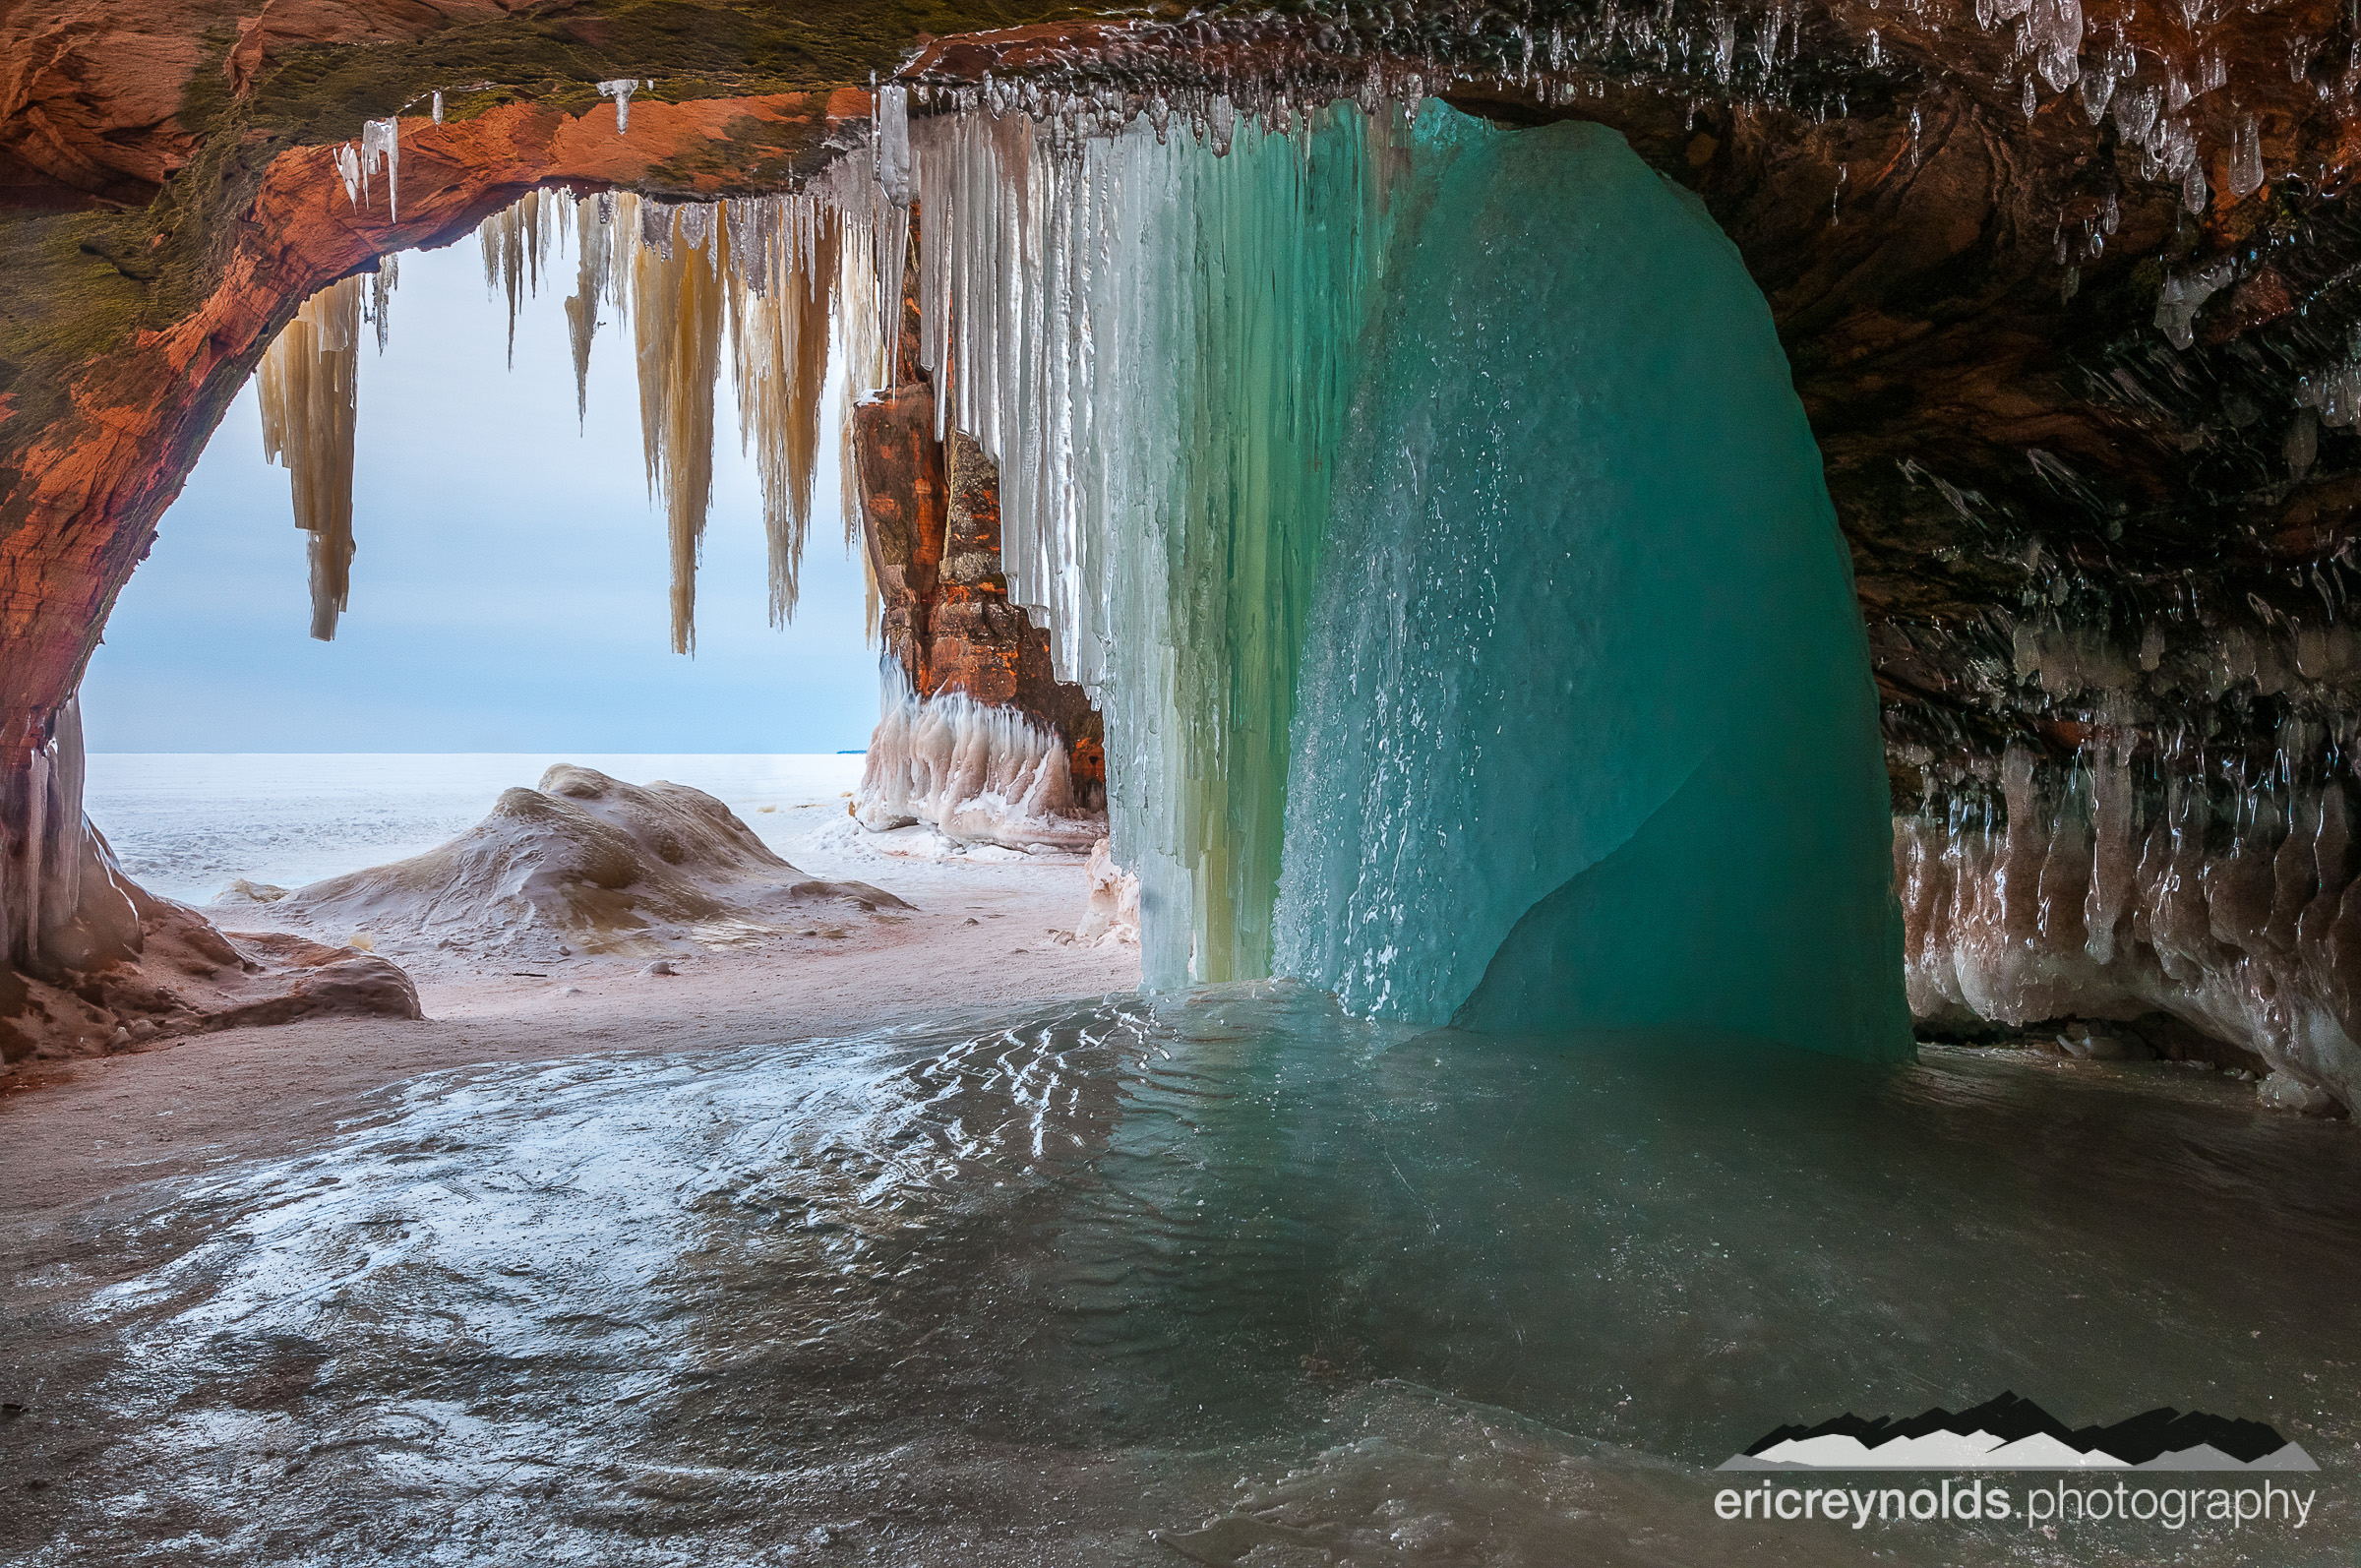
<point x="307" y="388"/>
<point x="678" y="320"/>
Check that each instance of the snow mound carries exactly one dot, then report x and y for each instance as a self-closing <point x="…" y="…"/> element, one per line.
<point x="584" y="862"/>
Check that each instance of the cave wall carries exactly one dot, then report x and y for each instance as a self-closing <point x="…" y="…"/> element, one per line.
<point x="2104" y="551"/>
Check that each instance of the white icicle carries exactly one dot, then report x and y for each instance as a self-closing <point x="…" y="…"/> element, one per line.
<point x="621" y="89"/>
<point x="382" y="140"/>
<point x="893" y="143"/>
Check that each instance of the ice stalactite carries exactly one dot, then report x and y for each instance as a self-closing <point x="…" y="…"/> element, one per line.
<point x="787" y="274"/>
<point x="1157" y="347"/>
<point x="502" y="237"/>
<point x="61" y="904"/>
<point x="781" y="286"/>
<point x="307" y="385"/>
<point x="382" y="283"/>
<point x="976" y="773"/>
<point x="621" y="89"/>
<point x="380" y="146"/>
<point x="678" y="299"/>
<point x="2142" y="875"/>
<point x="594" y="233"/>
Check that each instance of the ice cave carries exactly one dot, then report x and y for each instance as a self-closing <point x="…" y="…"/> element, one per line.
<point x="1609" y="820"/>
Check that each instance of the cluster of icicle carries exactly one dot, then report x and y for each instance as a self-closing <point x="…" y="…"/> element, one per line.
<point x="379" y="149"/>
<point x="1158" y="426"/>
<point x="2143" y="875"/>
<point x="974" y="773"/>
<point x="770" y="282"/>
<point x="760" y="279"/>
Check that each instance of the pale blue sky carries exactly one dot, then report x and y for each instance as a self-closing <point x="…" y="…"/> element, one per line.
<point x="509" y="589"/>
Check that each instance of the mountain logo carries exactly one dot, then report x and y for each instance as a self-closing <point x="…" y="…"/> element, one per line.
<point x="2013" y="1433"/>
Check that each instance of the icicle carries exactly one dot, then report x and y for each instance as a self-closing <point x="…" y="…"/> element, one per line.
<point x="779" y="306"/>
<point x="382" y="140"/>
<point x="381" y="296"/>
<point x="677" y="317"/>
<point x="592" y="235"/>
<point x="348" y="168"/>
<point x="893" y="143"/>
<point x="621" y="91"/>
<point x="436" y="110"/>
<point x="502" y="236"/>
<point x="306" y="386"/>
<point x="2246" y="158"/>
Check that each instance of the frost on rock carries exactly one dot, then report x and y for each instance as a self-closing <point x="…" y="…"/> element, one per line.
<point x="1112" y="918"/>
<point x="976" y="774"/>
<point x="307" y="385"/>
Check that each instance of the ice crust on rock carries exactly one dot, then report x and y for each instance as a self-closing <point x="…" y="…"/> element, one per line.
<point x="2093" y="894"/>
<point x="605" y="866"/>
<point x="974" y="773"/>
<point x="1112" y="914"/>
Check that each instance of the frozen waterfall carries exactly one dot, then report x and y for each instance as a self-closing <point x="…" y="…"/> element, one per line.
<point x="1586" y="733"/>
<point x="1429" y="506"/>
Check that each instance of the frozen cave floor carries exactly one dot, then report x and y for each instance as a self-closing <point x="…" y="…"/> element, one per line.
<point x="1228" y="1278"/>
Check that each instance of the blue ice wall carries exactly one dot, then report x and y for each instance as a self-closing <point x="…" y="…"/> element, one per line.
<point x="1584" y="733"/>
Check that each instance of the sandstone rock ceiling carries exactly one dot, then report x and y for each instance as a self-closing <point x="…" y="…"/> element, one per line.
<point x="2022" y="459"/>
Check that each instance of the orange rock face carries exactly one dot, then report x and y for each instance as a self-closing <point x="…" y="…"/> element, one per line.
<point x="933" y="544"/>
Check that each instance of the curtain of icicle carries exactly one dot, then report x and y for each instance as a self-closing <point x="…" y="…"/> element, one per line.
<point x="787" y="274"/>
<point x="306" y="386"/>
<point x="1157" y="346"/>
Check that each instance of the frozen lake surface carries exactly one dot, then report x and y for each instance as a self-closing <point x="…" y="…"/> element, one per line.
<point x="185" y="824"/>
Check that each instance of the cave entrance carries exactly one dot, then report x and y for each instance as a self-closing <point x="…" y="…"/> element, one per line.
<point x="507" y="610"/>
